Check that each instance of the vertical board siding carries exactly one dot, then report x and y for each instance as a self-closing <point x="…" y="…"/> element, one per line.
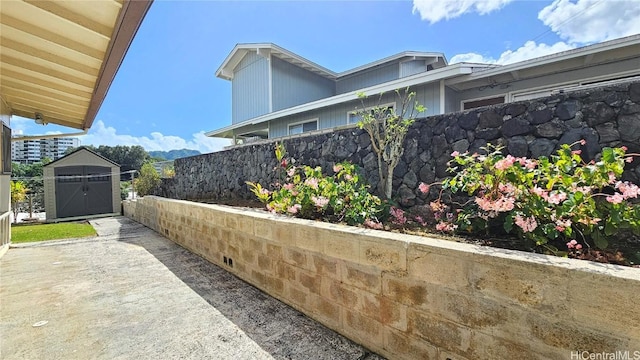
<point x="250" y="88"/>
<point x="412" y="67"/>
<point x="336" y="115"/>
<point x="377" y="75"/>
<point x="293" y="85"/>
<point x="452" y="102"/>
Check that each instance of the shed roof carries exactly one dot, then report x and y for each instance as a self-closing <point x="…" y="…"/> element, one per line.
<point x="60" y="161"/>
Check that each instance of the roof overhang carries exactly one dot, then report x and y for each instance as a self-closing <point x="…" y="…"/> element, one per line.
<point x="588" y="56"/>
<point x="59" y="58"/>
<point x="451" y="71"/>
<point x="225" y="71"/>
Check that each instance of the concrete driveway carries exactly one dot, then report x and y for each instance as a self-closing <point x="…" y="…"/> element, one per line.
<point x="132" y="294"/>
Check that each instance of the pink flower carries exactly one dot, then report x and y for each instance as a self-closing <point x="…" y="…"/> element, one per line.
<point x="397" y="216"/>
<point x="373" y="224"/>
<point x="628" y="190"/>
<point x="291" y="171"/>
<point x="294" y="209"/>
<point x="445" y="226"/>
<point x="572" y="244"/>
<point x="312" y="183"/>
<point x="624" y="148"/>
<point x="320" y="201"/>
<point x="348" y="177"/>
<point x="505" y="163"/>
<point x="289" y="186"/>
<point x="578" y="246"/>
<point x="264" y="191"/>
<point x="424" y="188"/>
<point x="612" y="178"/>
<point x="583" y="142"/>
<point x="421" y="221"/>
<point x="283" y="163"/>
<point x="502" y="204"/>
<point x="628" y="159"/>
<point x="615" y="199"/>
<point x="455" y="153"/>
<point x="337" y="168"/>
<point x="556" y="198"/>
<point x="576" y="152"/>
<point x="527" y="224"/>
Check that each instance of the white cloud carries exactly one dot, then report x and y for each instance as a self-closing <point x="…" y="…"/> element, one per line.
<point x="436" y="10"/>
<point x="529" y="50"/>
<point x="588" y="21"/>
<point x="107" y="135"/>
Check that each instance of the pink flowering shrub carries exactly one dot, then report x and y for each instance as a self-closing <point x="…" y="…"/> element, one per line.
<point x="559" y="197"/>
<point x="307" y="193"/>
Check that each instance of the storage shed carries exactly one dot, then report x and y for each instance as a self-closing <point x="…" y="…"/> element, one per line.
<point x="80" y="184"/>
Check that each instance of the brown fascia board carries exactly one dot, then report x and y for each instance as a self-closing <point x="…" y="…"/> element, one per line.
<point x="126" y="27"/>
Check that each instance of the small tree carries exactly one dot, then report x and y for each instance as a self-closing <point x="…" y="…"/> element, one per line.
<point x="148" y="180"/>
<point x="18" y="194"/>
<point x="387" y="129"/>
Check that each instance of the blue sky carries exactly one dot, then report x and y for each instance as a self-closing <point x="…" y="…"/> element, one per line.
<point x="165" y="95"/>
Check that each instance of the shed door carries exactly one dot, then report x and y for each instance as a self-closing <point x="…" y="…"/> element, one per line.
<point x="83" y="190"/>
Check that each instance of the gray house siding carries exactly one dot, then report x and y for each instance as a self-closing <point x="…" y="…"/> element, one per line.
<point x="293" y="85"/>
<point x="451" y="100"/>
<point x="250" y="88"/>
<point x="371" y="77"/>
<point x="574" y="76"/>
<point x="337" y="115"/>
<point x="408" y="68"/>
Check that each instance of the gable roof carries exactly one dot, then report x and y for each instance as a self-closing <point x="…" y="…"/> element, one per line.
<point x="82" y="148"/>
<point x="225" y="71"/>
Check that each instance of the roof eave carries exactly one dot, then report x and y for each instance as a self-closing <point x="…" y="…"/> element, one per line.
<point x="426" y="77"/>
<point x="127" y="25"/>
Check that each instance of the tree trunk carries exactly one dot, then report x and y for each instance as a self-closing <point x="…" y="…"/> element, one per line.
<point x="388" y="186"/>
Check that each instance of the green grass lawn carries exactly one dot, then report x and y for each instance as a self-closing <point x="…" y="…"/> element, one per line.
<point x="42" y="232"/>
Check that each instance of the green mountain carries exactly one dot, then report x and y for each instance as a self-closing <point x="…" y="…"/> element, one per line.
<point x="173" y="154"/>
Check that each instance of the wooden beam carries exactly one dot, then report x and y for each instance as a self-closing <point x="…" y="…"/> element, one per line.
<point x="45" y="55"/>
<point x="61" y="75"/>
<point x="45" y="100"/>
<point x="8" y="74"/>
<point x="17" y="102"/>
<point x="53" y="37"/>
<point x="49" y="119"/>
<point x="54" y="8"/>
<point x="10" y="85"/>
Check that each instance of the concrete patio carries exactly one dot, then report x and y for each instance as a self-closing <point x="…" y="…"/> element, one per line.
<point x="130" y="293"/>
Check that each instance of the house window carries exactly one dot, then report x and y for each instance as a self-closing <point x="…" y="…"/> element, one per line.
<point x="472" y="104"/>
<point x="354" y="116"/>
<point x="303" y="127"/>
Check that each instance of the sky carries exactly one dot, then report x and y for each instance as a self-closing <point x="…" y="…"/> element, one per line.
<point x="166" y="96"/>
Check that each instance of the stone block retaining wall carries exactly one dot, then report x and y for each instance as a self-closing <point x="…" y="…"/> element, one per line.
<point x="409" y="297"/>
<point x="607" y="116"/>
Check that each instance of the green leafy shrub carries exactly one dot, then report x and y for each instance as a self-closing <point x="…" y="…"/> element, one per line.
<point x="148" y="180"/>
<point x="556" y="197"/>
<point x="308" y="194"/>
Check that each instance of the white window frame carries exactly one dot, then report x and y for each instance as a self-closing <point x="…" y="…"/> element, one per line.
<point x="391" y="105"/>
<point x="462" y="102"/>
<point x="316" y="120"/>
